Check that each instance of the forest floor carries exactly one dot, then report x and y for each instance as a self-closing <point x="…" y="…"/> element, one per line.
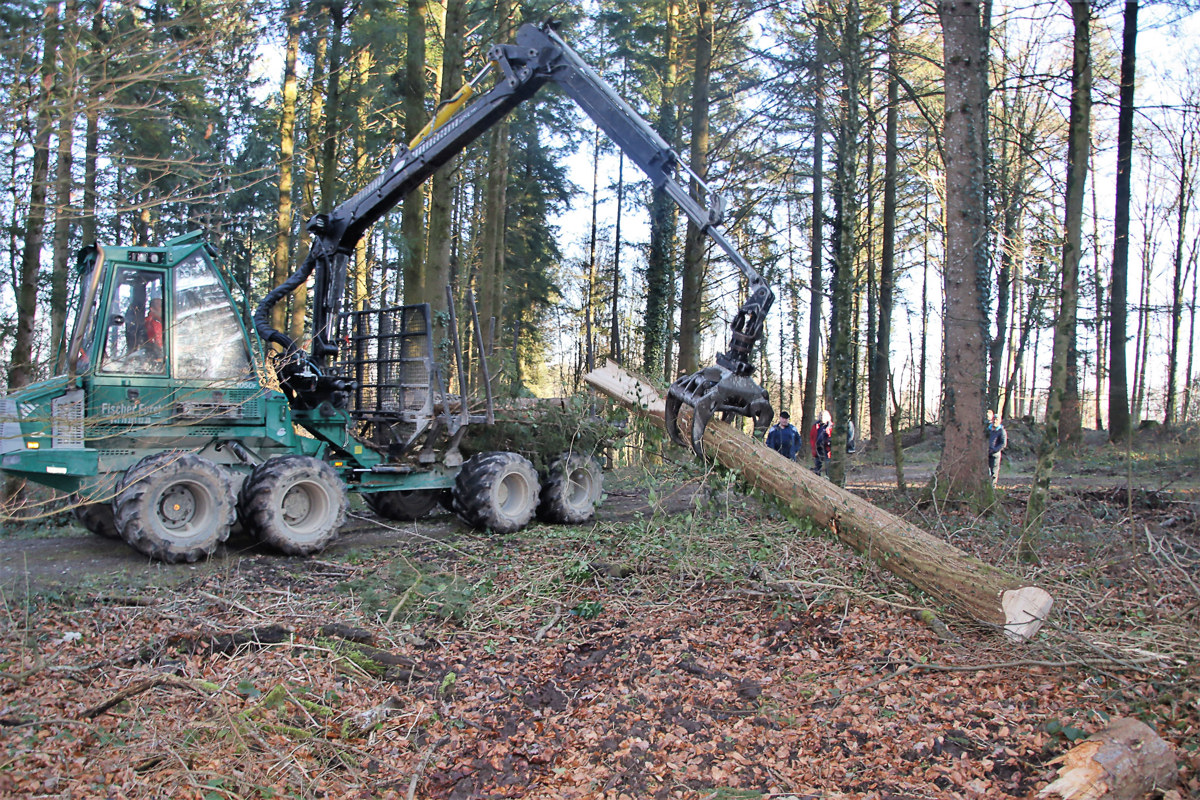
<point x="693" y="642"/>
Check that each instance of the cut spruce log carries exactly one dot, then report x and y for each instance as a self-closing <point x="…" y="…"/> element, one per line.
<point x="1125" y="761"/>
<point x="972" y="588"/>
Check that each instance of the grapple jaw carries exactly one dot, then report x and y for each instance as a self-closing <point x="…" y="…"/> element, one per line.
<point x="715" y="390"/>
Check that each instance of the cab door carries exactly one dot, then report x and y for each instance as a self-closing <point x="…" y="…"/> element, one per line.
<point x="130" y="396"/>
<point x="217" y="390"/>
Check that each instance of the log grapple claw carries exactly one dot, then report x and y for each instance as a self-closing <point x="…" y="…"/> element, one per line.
<point x="715" y="390"/>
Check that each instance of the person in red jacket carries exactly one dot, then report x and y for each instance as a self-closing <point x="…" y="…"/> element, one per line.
<point x="154" y="328"/>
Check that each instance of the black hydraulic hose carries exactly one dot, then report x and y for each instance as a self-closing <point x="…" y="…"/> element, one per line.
<point x="262" y="314"/>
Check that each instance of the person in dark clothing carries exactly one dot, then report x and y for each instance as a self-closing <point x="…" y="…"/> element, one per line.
<point x="997" y="441"/>
<point x="783" y="438"/>
<point x="821" y="439"/>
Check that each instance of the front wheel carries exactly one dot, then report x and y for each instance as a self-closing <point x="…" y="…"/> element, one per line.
<point x="174" y="507"/>
<point x="496" y="491"/>
<point x="294" y="503"/>
<point x="573" y="486"/>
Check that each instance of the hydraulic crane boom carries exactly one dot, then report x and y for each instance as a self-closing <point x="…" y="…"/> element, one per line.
<point x="538" y="57"/>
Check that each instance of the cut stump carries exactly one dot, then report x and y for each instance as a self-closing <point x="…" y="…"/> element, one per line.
<point x="1124" y="761"/>
<point x="977" y="590"/>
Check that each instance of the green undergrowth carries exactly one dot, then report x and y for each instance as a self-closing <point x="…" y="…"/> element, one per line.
<point x="400" y="591"/>
<point x="721" y="535"/>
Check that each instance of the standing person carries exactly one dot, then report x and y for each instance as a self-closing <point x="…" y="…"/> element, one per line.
<point x="997" y="441"/>
<point x="783" y="438"/>
<point x="821" y="438"/>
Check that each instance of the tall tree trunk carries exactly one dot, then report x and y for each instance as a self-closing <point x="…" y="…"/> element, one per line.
<point x="692" y="298"/>
<point x="1118" y="312"/>
<point x="921" y="385"/>
<point x="21" y="368"/>
<point x="441" y="187"/>
<point x="1186" y="156"/>
<point x="812" y="367"/>
<point x="64" y="212"/>
<point x="887" y="265"/>
<point x="491" y="256"/>
<point x="91" y="145"/>
<point x="417" y="287"/>
<point x="962" y="472"/>
<point x="1187" y="373"/>
<point x="364" y="65"/>
<point x="589" y="289"/>
<point x="308" y="204"/>
<point x="845" y="283"/>
<point x="1098" y="296"/>
<point x="287" y="145"/>
<point x="660" y="275"/>
<point x="614" y="326"/>
<point x="867" y="270"/>
<point x="1078" y="143"/>
<point x="1141" y="342"/>
<point x="1011" y="183"/>
<point x="333" y="100"/>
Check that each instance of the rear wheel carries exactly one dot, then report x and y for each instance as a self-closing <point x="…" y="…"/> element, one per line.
<point x="174" y="507"/>
<point x="496" y="491"/>
<point x="403" y="506"/>
<point x="294" y="503"/>
<point x="97" y="518"/>
<point x="571" y="490"/>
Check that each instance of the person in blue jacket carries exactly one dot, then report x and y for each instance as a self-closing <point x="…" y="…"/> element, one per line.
<point x="783" y="438"/>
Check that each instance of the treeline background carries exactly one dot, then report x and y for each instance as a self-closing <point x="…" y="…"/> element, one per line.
<point x="820" y="121"/>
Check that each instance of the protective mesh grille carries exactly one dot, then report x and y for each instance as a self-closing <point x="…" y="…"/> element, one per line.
<point x="66" y="421"/>
<point x="388" y="352"/>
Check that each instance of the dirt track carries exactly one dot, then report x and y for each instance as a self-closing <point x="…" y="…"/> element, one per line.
<point x="64" y="562"/>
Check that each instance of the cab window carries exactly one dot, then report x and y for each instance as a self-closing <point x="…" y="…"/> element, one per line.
<point x="133" y="338"/>
<point x="83" y="357"/>
<point x="208" y="340"/>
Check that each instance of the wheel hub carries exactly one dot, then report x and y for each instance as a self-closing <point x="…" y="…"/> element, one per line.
<point x="177" y="507"/>
<point x="297" y="505"/>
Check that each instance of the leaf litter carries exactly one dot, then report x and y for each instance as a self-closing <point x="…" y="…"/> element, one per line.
<point x="715" y="653"/>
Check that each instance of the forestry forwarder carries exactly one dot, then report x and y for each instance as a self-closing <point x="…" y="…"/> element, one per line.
<point x="157" y="420"/>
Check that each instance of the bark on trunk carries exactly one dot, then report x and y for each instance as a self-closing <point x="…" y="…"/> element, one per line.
<point x="64" y="211"/>
<point x="308" y="190"/>
<point x="813" y="366"/>
<point x="441" y="186"/>
<point x="1124" y="761"/>
<point x="1064" y="330"/>
<point x="844" y="319"/>
<point x="21" y="369"/>
<point x="491" y="242"/>
<point x="417" y="287"/>
<point x="660" y="274"/>
<point x="287" y="144"/>
<point x="882" y="368"/>
<point x="962" y="473"/>
<point x="1118" y="381"/>
<point x="980" y="592"/>
<point x="692" y="297"/>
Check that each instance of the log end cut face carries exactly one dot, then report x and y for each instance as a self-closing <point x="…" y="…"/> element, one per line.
<point x="1025" y="610"/>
